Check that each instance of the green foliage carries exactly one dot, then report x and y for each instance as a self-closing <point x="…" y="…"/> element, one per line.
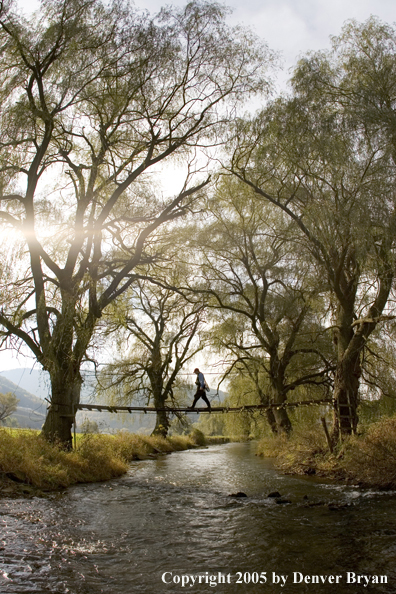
<point x="360" y="74"/>
<point x="237" y="425"/>
<point x="10" y="422"/>
<point x="181" y="425"/>
<point x="325" y="158"/>
<point x="267" y="302"/>
<point x="89" y="426"/>
<point x="197" y="437"/>
<point x="213" y="424"/>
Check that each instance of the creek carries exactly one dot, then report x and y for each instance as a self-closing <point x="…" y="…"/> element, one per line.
<point x="171" y="521"/>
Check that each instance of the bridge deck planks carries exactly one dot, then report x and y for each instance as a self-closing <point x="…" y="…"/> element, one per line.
<point x="214" y="409"/>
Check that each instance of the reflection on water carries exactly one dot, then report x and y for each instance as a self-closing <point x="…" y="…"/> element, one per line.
<point x="174" y="516"/>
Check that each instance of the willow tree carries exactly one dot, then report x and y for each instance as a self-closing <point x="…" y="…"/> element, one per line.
<point x="359" y="75"/>
<point x="94" y="96"/>
<point x="157" y="331"/>
<point x="266" y="299"/>
<point x="325" y="161"/>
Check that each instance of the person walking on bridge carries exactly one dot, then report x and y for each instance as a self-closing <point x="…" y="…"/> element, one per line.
<point x="202" y="387"/>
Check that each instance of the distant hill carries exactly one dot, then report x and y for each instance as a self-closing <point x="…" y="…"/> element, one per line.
<point x="31" y="380"/>
<point x="25" y="398"/>
<point x="31" y="410"/>
<point x="37" y="382"/>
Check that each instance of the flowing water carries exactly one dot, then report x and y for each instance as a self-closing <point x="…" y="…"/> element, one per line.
<point x="171" y="521"/>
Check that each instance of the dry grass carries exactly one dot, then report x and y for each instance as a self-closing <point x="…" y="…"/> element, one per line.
<point x="34" y="461"/>
<point x="305" y="452"/>
<point x="27" y="458"/>
<point x="368" y="459"/>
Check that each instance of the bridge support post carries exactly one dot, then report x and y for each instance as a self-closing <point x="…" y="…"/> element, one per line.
<point x="74" y="427"/>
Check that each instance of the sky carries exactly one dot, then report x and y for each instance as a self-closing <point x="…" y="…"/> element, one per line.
<point x="291" y="27"/>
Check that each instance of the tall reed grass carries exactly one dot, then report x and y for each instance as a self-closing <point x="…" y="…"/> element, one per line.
<point x="26" y="457"/>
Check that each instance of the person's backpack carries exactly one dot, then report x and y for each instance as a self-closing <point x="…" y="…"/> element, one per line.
<point x="207" y="387"/>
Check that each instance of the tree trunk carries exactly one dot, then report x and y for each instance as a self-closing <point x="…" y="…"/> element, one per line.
<point x="66" y="389"/>
<point x="271" y="420"/>
<point x="162" y="421"/>
<point x="347" y="375"/>
<point x="269" y="413"/>
<point x="161" y="424"/>
<point x="278" y="396"/>
<point x="283" y="423"/>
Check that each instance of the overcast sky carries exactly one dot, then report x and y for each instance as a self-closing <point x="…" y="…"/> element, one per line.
<point x="291" y="27"/>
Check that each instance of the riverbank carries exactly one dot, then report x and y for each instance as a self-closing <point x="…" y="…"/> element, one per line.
<point x="31" y="466"/>
<point x="367" y="459"/>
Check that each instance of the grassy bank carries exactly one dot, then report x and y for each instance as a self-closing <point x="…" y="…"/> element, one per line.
<point x="367" y="459"/>
<point x="216" y="439"/>
<point x="29" y="464"/>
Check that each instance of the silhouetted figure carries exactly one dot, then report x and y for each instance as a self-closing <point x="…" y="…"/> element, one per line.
<point x="202" y="387"/>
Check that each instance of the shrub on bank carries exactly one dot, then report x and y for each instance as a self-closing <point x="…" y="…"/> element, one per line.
<point x="305" y="452"/>
<point x="198" y="437"/>
<point x="25" y="457"/>
<point x="368" y="459"/>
